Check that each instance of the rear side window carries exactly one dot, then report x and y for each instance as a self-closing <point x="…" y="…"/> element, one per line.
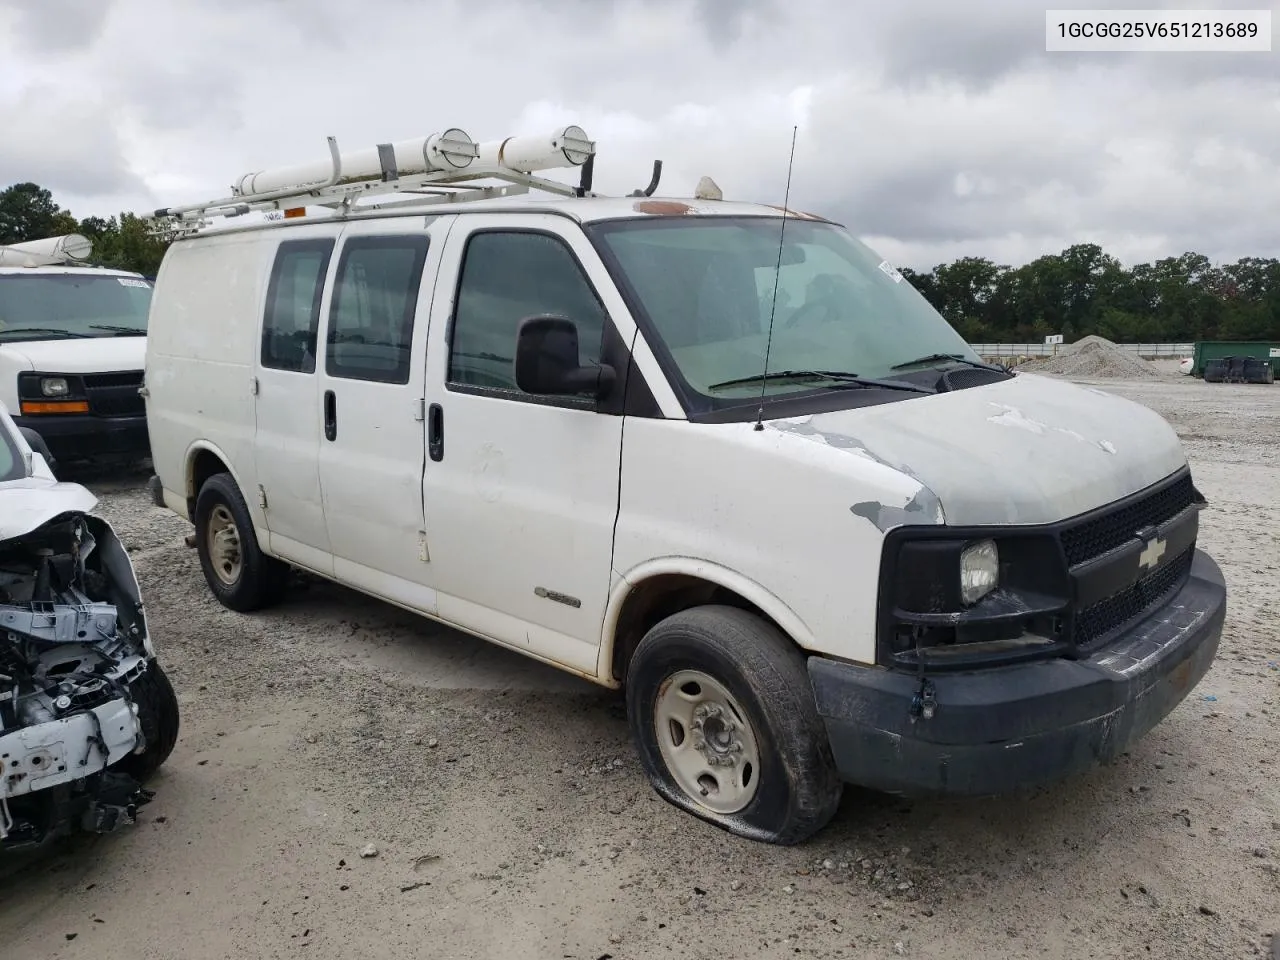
<point x="505" y="278"/>
<point x="293" y="305"/>
<point x="375" y="296"/>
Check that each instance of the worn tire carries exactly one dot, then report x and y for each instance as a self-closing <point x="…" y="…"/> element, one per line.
<point x="159" y="716"/>
<point x="262" y="579"/>
<point x="798" y="789"/>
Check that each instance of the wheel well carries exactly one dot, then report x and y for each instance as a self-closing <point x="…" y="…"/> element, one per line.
<point x="662" y="596"/>
<point x="204" y="465"/>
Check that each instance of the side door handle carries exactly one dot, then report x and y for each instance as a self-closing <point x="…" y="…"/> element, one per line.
<point x="435" y="432"/>
<point x="330" y="416"/>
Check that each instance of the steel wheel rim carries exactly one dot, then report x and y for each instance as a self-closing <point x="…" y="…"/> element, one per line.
<point x="707" y="741"/>
<point x="223" y="538"/>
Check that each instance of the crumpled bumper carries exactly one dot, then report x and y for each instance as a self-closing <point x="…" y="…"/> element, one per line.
<point x="1000" y="729"/>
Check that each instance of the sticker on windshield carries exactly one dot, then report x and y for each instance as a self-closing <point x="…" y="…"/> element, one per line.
<point x="890" y="271"/>
<point x="131" y="282"/>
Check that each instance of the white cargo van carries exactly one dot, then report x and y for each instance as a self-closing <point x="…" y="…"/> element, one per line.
<point x="73" y="339"/>
<point x="816" y="543"/>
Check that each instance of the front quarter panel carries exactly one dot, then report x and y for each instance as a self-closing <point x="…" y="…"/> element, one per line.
<point x="774" y="516"/>
<point x="12" y="362"/>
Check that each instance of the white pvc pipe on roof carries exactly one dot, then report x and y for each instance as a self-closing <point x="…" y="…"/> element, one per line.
<point x="451" y="150"/>
<point x="566" y="147"/>
<point x="68" y="248"/>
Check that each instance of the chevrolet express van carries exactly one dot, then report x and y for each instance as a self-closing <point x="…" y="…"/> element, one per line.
<point x="72" y="343"/>
<point x="812" y="535"/>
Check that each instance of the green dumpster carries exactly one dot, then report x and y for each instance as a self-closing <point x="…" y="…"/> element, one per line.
<point x="1207" y="350"/>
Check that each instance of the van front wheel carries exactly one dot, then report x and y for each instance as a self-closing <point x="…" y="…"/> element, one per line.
<point x="723" y="716"/>
<point x="241" y="576"/>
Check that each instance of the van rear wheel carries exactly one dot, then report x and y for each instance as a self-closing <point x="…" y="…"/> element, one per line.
<point x="723" y="716"/>
<point x="241" y="576"/>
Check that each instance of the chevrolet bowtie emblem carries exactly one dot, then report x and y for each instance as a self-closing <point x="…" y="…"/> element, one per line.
<point x="1151" y="553"/>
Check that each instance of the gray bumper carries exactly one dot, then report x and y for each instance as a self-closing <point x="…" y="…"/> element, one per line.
<point x="1000" y="729"/>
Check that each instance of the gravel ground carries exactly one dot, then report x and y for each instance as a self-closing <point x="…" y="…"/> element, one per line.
<point x="511" y="819"/>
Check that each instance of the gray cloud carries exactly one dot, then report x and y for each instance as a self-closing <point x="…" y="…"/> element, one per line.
<point x="64" y="141"/>
<point x="197" y="94"/>
<point x="56" y="26"/>
<point x="940" y="129"/>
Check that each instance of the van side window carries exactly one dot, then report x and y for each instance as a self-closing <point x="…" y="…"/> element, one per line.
<point x="293" y="305"/>
<point x="507" y="276"/>
<point x="375" y="296"/>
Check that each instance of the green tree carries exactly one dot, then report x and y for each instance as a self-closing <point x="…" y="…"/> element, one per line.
<point x="27" y="212"/>
<point x="965" y="288"/>
<point x="127" y="243"/>
<point x="1084" y="290"/>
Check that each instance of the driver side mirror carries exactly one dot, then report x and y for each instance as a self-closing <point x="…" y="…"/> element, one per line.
<point x="547" y="360"/>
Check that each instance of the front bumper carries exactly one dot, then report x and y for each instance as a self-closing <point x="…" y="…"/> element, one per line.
<point x="1000" y="729"/>
<point x="86" y="437"/>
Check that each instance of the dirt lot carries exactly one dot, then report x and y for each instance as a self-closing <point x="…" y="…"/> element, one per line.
<point x="511" y="819"/>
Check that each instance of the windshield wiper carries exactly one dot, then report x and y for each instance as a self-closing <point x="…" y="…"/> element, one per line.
<point x="44" y="332"/>
<point x="835" y="377"/>
<point x="937" y="357"/>
<point x="118" y="329"/>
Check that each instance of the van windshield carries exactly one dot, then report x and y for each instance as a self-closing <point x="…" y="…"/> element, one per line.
<point x="707" y="287"/>
<point x="49" y="306"/>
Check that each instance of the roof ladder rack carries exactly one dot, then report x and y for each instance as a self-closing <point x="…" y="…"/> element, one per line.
<point x="446" y="167"/>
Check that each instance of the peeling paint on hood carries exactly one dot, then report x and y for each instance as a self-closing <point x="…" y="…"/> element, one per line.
<point x="1022" y="451"/>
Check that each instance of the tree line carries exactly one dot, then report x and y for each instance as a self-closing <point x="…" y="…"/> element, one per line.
<point x="1078" y="292"/>
<point x="125" y="242"/>
<point x="1084" y="291"/>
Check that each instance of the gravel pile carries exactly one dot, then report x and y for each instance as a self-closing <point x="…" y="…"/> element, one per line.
<point x="1095" y="357"/>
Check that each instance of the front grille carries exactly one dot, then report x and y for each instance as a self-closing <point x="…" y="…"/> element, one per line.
<point x="1098" y="535"/>
<point x="115" y="394"/>
<point x="1094" y="624"/>
<point x="127" y="378"/>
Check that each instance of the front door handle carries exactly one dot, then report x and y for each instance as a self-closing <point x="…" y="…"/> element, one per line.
<point x="330" y="416"/>
<point x="435" y="432"/>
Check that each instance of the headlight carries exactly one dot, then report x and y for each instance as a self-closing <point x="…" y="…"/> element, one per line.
<point x="979" y="571"/>
<point x="54" y="386"/>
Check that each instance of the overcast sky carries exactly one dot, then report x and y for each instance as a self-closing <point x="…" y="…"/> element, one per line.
<point x="932" y="128"/>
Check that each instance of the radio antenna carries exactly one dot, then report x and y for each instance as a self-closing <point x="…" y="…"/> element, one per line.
<point x="773" y="306"/>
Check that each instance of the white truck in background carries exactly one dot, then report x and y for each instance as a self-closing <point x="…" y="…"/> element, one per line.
<point x="72" y="347"/>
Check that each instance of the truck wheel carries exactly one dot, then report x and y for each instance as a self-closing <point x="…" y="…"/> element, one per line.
<point x="723" y="716"/>
<point x="241" y="576"/>
<point x="158" y="714"/>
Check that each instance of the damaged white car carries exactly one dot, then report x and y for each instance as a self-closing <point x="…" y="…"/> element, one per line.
<point x="86" y="712"/>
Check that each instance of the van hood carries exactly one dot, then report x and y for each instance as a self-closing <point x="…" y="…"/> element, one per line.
<point x="1022" y="451"/>
<point x="90" y="355"/>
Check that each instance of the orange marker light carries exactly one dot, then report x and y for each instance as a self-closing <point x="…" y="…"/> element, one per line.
<point x="295" y="212"/>
<point x="41" y="407"/>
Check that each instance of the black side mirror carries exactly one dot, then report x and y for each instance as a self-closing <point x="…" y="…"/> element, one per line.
<point x="547" y="360"/>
